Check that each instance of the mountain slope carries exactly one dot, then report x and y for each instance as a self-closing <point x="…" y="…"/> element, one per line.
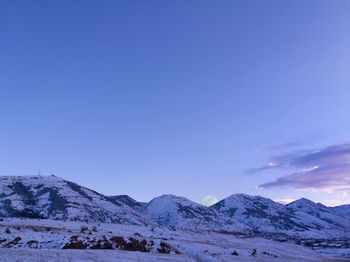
<point x="343" y="210"/>
<point x="55" y="198"/>
<point x="259" y="213"/>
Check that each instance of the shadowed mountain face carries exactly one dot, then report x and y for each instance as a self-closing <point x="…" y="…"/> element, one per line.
<point x="125" y="199"/>
<point x="55" y="198"/>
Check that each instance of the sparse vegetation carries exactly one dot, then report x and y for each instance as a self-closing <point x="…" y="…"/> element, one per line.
<point x="83" y="229"/>
<point x="165" y="248"/>
<point x="74" y="243"/>
<point x="234" y="253"/>
<point x="13" y="242"/>
<point x="254" y="252"/>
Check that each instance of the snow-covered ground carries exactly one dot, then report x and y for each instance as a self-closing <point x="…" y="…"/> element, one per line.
<point x="44" y="240"/>
<point x="10" y="255"/>
<point x="42" y="255"/>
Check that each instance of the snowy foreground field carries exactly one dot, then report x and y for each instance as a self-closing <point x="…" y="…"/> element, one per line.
<point x="116" y="256"/>
<point x="52" y="240"/>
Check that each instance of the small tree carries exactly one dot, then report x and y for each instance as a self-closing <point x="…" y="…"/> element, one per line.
<point x="7" y="231"/>
<point x="83" y="229"/>
<point x="234" y="253"/>
<point x="254" y="252"/>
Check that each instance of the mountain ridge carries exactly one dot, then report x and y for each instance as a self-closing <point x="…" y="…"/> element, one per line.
<point x="55" y="198"/>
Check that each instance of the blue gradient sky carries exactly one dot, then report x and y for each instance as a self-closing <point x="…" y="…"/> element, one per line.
<point x="182" y="97"/>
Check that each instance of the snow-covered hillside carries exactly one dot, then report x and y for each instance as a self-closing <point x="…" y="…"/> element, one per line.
<point x="302" y="218"/>
<point x="179" y="212"/>
<point x="319" y="217"/>
<point x="259" y="213"/>
<point x="55" y="198"/>
<point x="52" y="240"/>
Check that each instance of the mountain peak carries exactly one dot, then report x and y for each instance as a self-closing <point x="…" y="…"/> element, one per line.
<point x="175" y="211"/>
<point x="304" y="200"/>
<point x="303" y="203"/>
<point x="55" y="198"/>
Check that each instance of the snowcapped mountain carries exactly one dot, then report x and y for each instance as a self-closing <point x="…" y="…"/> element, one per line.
<point x="324" y="217"/>
<point x="174" y="211"/>
<point x="55" y="198"/>
<point x="302" y="217"/>
<point x="259" y="213"/>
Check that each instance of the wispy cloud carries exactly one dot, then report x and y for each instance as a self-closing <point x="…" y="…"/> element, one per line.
<point x="305" y="140"/>
<point x="325" y="169"/>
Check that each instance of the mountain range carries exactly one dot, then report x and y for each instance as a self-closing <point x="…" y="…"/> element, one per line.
<point x="50" y="197"/>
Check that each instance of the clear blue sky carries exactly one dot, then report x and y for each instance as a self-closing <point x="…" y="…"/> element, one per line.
<point x="181" y="97"/>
